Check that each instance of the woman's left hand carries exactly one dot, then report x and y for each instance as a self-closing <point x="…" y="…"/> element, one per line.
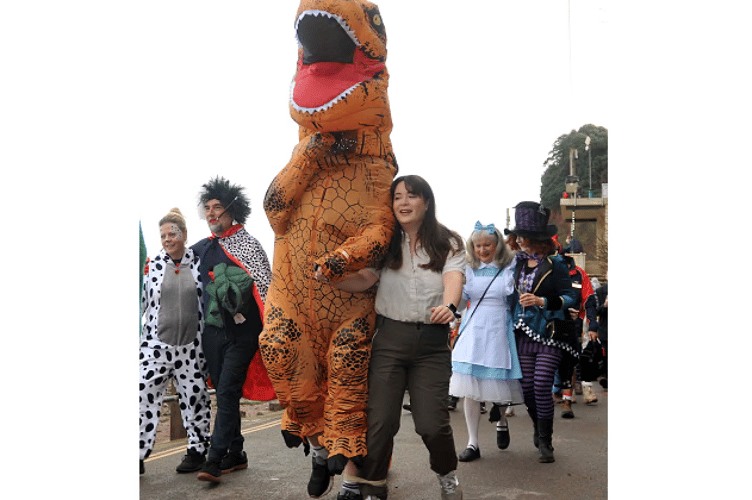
<point x="441" y="315"/>
<point x="528" y="299"/>
<point x="319" y="275"/>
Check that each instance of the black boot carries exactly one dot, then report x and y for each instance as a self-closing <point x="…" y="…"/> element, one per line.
<point x="545" y="438"/>
<point x="534" y="418"/>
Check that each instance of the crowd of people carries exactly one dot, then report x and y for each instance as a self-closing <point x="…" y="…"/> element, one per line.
<point x="518" y="304"/>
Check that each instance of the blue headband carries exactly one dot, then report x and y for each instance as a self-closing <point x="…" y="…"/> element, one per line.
<point x="491" y="229"/>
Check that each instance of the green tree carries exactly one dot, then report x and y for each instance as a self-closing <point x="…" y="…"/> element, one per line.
<point x="557" y="164"/>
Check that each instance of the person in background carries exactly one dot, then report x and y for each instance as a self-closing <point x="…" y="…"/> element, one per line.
<point x="573" y="245"/>
<point x="543" y="294"/>
<point x="597" y="304"/>
<point x="577" y="313"/>
<point x="171" y="344"/>
<point x="236" y="274"/>
<point x="419" y="288"/>
<point x="485" y="366"/>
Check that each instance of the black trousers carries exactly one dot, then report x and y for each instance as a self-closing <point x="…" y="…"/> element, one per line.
<point x="227" y="358"/>
<point x="417" y="357"/>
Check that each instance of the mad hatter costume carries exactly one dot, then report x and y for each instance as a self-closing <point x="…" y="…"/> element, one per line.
<point x="543" y="293"/>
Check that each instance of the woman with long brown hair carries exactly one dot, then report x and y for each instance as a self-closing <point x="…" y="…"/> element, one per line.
<point x="419" y="288"/>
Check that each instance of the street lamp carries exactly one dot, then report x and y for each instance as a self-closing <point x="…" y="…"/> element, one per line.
<point x="590" y="167"/>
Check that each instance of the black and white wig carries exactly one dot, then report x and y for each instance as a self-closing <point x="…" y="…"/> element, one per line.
<point x="229" y="195"/>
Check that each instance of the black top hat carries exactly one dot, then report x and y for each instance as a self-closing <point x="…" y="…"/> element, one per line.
<point x="531" y="221"/>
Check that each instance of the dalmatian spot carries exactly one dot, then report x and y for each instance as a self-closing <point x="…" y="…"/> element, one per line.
<point x="160" y="362"/>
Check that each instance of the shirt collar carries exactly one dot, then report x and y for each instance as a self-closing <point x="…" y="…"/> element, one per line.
<point x="232" y="230"/>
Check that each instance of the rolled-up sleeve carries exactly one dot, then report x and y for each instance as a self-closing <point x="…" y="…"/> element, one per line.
<point x="456" y="261"/>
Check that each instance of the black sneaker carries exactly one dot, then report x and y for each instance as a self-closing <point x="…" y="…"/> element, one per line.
<point x="141" y="468"/>
<point x="234" y="461"/>
<point x="320" y="482"/>
<point x="210" y="472"/>
<point x="192" y="462"/>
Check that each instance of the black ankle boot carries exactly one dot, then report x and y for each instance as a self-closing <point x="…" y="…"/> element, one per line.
<point x="545" y="439"/>
<point x="534" y="418"/>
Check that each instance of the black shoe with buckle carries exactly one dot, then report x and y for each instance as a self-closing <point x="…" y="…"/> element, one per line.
<point x="192" y="462"/>
<point x="502" y="436"/>
<point x="471" y="453"/>
<point x="320" y="482"/>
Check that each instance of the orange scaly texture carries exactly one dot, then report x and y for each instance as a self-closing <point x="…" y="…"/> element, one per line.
<point x="330" y="206"/>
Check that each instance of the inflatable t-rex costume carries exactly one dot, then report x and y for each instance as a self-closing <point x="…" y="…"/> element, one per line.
<point x="330" y="207"/>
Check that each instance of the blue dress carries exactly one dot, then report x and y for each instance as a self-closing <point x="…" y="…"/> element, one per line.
<point x="485" y="366"/>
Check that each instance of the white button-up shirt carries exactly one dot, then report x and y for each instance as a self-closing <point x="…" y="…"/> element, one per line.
<point x="408" y="294"/>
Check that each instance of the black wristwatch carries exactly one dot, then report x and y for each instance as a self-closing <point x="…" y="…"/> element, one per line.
<point x="453" y="308"/>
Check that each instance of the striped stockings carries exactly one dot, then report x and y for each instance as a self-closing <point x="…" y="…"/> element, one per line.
<point x="538" y="372"/>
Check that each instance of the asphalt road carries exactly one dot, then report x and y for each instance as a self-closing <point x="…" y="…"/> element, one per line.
<point x="278" y="473"/>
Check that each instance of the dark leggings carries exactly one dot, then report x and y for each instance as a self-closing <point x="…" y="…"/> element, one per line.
<point x="538" y="372"/>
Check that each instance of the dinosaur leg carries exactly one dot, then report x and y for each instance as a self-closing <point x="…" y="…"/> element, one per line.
<point x="295" y="374"/>
<point x="345" y="410"/>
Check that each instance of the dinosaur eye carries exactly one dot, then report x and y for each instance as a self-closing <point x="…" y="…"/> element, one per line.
<point x="376" y="22"/>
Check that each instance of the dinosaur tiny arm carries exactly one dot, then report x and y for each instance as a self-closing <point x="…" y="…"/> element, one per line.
<point x="287" y="188"/>
<point x="368" y="247"/>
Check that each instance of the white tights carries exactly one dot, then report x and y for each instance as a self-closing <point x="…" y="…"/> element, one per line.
<point x="472" y="419"/>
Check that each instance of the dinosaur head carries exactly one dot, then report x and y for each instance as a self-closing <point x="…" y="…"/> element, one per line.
<point x="341" y="80"/>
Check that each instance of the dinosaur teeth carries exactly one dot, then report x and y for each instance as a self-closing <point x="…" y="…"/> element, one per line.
<point x="326" y="106"/>
<point x="337" y="18"/>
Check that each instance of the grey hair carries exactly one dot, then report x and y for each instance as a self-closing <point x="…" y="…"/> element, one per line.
<point x="502" y="257"/>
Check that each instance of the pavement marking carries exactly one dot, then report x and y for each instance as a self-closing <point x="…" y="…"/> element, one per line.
<point x="181" y="448"/>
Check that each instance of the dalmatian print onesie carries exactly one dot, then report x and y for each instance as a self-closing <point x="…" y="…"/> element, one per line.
<point x="175" y="353"/>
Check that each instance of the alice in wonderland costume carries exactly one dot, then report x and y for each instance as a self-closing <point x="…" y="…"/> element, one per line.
<point x="485" y="366"/>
